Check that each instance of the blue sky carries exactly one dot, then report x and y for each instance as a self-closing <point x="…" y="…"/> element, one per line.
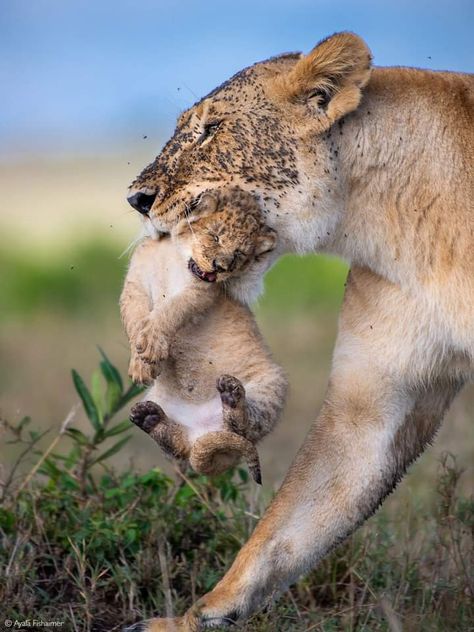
<point x="79" y="76"/>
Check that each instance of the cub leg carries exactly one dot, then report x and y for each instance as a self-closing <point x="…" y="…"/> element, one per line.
<point x="153" y="341"/>
<point x="253" y="411"/>
<point x="234" y="405"/>
<point x="169" y="435"/>
<point x="139" y="371"/>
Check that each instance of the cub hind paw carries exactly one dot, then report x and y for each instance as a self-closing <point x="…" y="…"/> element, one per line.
<point x="146" y="415"/>
<point x="231" y="390"/>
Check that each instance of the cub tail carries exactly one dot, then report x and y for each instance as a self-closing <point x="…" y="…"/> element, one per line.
<point x="215" y="452"/>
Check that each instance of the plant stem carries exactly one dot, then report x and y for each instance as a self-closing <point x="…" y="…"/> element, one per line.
<point x="70" y="416"/>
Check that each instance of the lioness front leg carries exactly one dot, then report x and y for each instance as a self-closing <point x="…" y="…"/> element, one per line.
<point x="169" y="435"/>
<point x="239" y="593"/>
<point x="377" y="417"/>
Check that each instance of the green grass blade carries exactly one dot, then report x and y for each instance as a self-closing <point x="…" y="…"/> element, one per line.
<point x="87" y="401"/>
<point x="109" y="371"/>
<point x="77" y="435"/>
<point x="113" y="450"/>
<point x="133" y="391"/>
<point x="123" y="426"/>
<point x="96" y="392"/>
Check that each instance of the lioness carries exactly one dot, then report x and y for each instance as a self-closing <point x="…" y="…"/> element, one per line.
<point x="182" y="324"/>
<point x="375" y="166"/>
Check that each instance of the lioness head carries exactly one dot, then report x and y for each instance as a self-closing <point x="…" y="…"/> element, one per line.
<point x="261" y="131"/>
<point x="224" y="234"/>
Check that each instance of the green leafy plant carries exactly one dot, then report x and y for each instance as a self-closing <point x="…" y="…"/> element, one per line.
<point x="101" y="403"/>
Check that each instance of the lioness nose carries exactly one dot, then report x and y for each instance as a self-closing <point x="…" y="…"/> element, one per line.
<point x="142" y="202"/>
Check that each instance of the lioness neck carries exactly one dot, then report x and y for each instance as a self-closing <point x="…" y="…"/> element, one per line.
<point x="403" y="157"/>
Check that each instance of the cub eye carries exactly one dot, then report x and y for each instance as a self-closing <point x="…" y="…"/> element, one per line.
<point x="216" y="238"/>
<point x="209" y="130"/>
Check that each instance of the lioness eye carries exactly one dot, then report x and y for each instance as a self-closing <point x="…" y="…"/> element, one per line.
<point x="209" y="130"/>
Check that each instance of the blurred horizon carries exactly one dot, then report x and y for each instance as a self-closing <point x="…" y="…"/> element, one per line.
<point x="83" y="77"/>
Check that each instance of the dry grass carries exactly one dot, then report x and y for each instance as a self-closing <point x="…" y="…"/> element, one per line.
<point x="97" y="550"/>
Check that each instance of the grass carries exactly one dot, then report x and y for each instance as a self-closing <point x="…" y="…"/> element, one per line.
<point x="83" y="544"/>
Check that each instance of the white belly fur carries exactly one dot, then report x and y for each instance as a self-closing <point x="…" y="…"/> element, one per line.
<point x="198" y="417"/>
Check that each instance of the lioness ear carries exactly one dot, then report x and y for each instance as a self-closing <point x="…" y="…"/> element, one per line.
<point x="330" y="77"/>
<point x="266" y="241"/>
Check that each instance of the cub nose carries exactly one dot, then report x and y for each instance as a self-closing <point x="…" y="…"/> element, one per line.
<point x="142" y="202"/>
<point x="224" y="263"/>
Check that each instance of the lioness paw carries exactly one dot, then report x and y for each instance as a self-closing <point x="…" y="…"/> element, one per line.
<point x="178" y="624"/>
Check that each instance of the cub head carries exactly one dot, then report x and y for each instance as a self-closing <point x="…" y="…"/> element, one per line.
<point x="264" y="131"/>
<point x="224" y="236"/>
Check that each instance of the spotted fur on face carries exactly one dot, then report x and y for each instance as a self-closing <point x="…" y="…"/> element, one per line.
<point x="234" y="136"/>
<point x="263" y="132"/>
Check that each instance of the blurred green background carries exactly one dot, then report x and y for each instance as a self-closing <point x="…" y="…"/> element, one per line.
<point x="93" y="92"/>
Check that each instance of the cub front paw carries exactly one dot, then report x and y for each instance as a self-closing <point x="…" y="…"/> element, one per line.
<point x="140" y="371"/>
<point x="146" y="415"/>
<point x="151" y="345"/>
<point x="231" y="390"/>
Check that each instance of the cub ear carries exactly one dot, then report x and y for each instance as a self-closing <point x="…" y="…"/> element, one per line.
<point x="266" y="241"/>
<point x="330" y="77"/>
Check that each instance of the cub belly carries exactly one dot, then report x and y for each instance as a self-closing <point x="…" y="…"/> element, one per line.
<point x="222" y="343"/>
<point x="198" y="416"/>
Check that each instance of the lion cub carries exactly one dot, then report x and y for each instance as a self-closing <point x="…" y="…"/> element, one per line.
<point x="217" y="390"/>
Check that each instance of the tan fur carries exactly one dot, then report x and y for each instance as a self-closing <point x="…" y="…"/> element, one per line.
<point x="379" y="171"/>
<point x="230" y="233"/>
<point x="337" y="69"/>
<point x="215" y="378"/>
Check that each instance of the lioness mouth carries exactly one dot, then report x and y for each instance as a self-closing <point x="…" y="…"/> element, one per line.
<point x="209" y="277"/>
